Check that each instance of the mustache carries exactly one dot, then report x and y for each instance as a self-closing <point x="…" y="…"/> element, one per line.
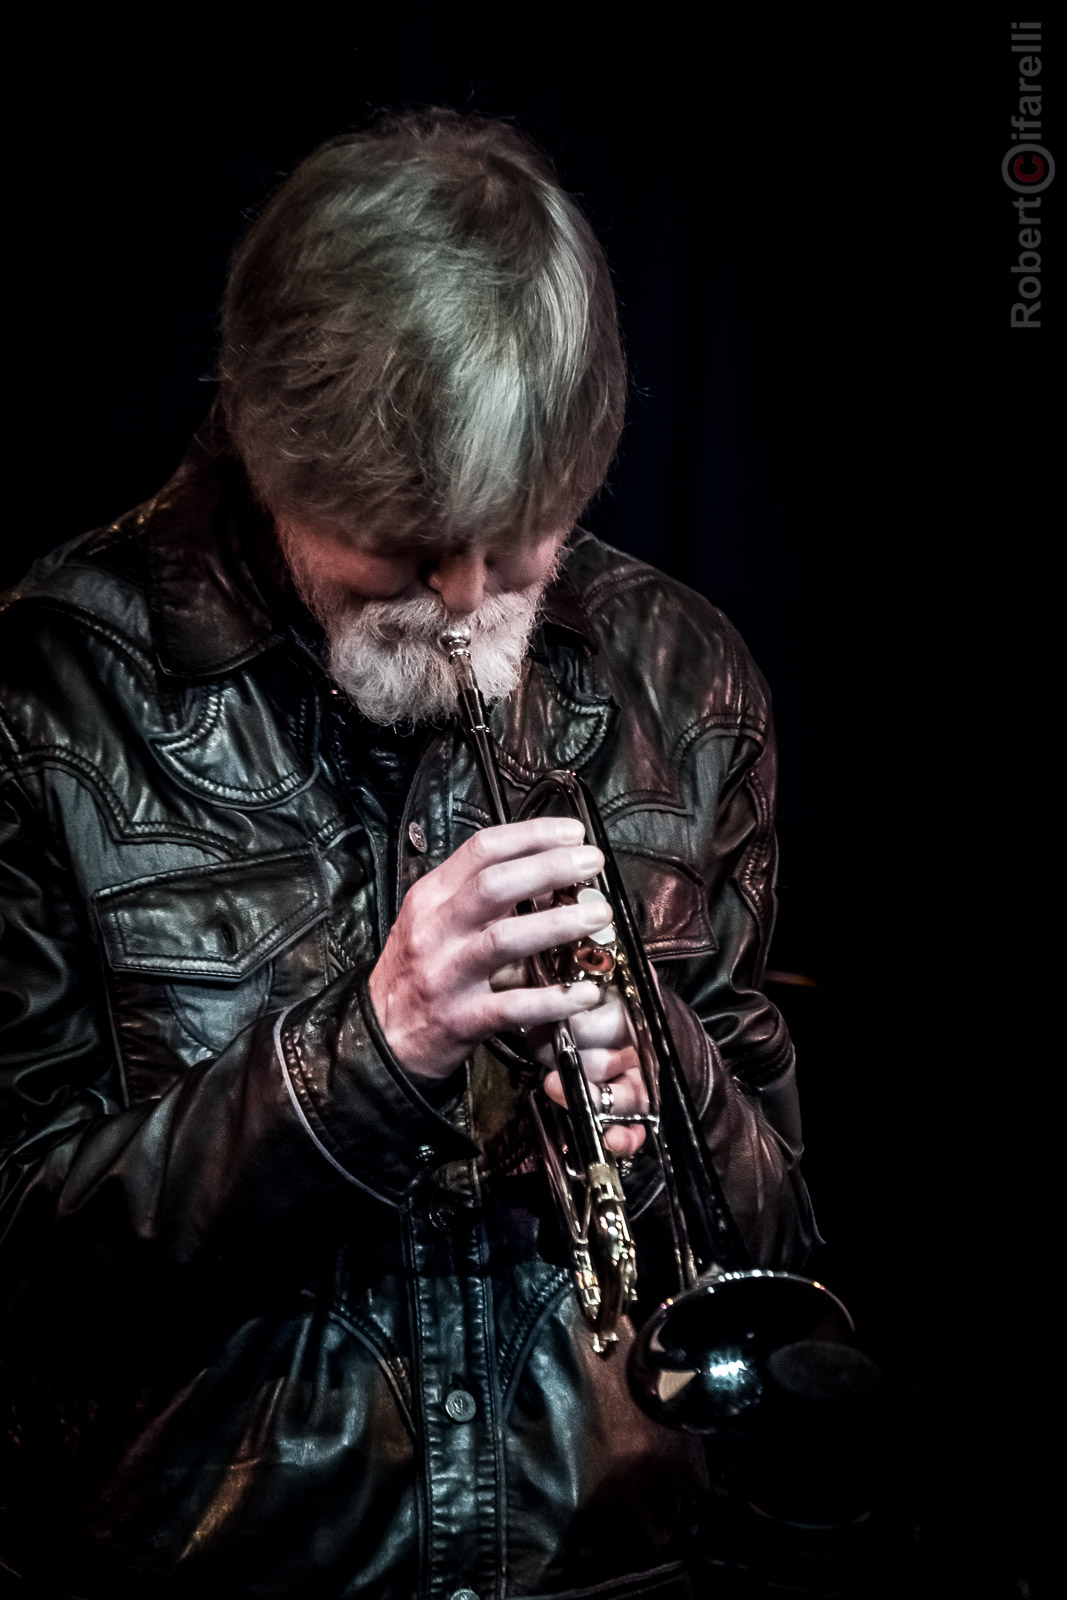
<point x="421" y="620"/>
<point x="386" y="654"/>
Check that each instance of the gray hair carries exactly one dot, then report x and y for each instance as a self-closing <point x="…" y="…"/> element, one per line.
<point x="419" y="338"/>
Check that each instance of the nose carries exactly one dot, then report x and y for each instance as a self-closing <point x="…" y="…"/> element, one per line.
<point x="459" y="580"/>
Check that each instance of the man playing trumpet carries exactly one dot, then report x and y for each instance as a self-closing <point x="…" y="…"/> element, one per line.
<point x="286" y="1311"/>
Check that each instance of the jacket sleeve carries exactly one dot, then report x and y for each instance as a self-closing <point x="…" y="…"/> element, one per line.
<point x="251" y="1160"/>
<point x="733" y="1039"/>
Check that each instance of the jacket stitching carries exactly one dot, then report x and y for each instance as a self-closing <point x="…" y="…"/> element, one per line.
<point x="62" y="755"/>
<point x="715" y="725"/>
<point x="739" y="716"/>
<point x="669" y="946"/>
<point x="91" y="623"/>
<point x="174" y="745"/>
<point x="425" y="1483"/>
<point x="599" y="711"/>
<point x="645" y="799"/>
<point x="342" y="958"/>
<point x="211" y="872"/>
<point x="481" y="1287"/>
<point x="189" y="1033"/>
<point x="286" y="1045"/>
<point x="712" y="1060"/>
<point x="514" y="1355"/>
<point x="45" y="757"/>
<point x="291" y="783"/>
<point x="208" y="964"/>
<point x="388" y="1359"/>
<point x="333" y="827"/>
<point x="757" y="850"/>
<point x="582" y="708"/>
<point x="204" y="720"/>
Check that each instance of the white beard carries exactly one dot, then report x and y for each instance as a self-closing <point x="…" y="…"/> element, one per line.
<point x="386" y="654"/>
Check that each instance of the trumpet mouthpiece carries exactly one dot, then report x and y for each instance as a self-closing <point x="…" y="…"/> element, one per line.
<point x="456" y="637"/>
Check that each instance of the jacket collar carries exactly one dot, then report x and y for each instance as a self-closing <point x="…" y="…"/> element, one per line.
<point x="208" y="613"/>
<point x="563" y="611"/>
<point x="213" y="604"/>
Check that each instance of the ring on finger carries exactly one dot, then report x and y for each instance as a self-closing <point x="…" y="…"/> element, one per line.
<point x="607" y="1098"/>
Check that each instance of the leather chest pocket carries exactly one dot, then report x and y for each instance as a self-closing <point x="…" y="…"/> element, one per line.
<point x="193" y="957"/>
<point x="669" y="902"/>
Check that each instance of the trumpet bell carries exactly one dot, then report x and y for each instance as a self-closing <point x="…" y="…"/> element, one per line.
<point x="700" y="1360"/>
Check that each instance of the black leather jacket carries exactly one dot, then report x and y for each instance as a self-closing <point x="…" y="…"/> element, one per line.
<point x="275" y="1325"/>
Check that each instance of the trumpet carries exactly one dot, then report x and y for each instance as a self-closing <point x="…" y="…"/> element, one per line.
<point x="699" y="1361"/>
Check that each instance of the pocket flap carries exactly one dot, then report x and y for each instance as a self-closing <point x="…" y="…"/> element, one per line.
<point x="211" y="922"/>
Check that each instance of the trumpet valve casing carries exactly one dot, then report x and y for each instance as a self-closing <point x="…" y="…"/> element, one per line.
<point x="595" y="957"/>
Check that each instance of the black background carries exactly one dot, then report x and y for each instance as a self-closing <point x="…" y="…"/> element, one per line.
<point x="833" y="433"/>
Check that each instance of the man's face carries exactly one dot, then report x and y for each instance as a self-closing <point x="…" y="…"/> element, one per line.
<point x="384" y="607"/>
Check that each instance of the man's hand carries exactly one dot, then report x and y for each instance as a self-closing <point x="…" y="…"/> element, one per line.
<point x="605" y="1040"/>
<point x="431" y="988"/>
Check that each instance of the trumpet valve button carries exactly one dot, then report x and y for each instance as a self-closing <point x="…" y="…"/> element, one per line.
<point x="605" y="935"/>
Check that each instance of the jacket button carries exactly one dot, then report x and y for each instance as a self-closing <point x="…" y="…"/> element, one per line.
<point x="425" y="1154"/>
<point x="463" y="1594"/>
<point x="417" y="837"/>
<point x="461" y="1407"/>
